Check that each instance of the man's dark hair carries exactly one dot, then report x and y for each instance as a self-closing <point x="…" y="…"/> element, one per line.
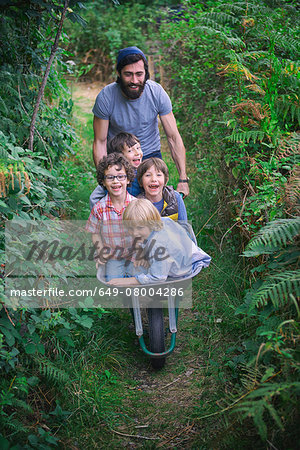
<point x="131" y="59"/>
<point x="117" y="143"/>
<point x="114" y="159"/>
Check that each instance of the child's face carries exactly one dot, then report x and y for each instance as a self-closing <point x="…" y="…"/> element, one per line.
<point x="140" y="232"/>
<point x="116" y="187"/>
<point x="133" y="154"/>
<point x="153" y="182"/>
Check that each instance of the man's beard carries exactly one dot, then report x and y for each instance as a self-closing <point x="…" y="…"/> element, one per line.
<point x="132" y="94"/>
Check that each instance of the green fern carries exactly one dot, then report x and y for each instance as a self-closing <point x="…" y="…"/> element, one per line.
<point x="275" y="234"/>
<point x="11" y="423"/>
<point x="286" y="106"/>
<point x="248" y="376"/>
<point x="220" y="18"/>
<point x="3" y="107"/>
<point x="230" y="40"/>
<point x="247" y="136"/>
<point x="259" y="402"/>
<point x="49" y="370"/>
<point x="277" y="288"/>
<point x="241" y="8"/>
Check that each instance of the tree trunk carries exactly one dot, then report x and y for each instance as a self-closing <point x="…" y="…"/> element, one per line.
<point x="44" y="82"/>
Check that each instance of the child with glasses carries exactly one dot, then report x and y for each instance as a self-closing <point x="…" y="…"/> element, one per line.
<point x="129" y="146"/>
<point x="114" y="173"/>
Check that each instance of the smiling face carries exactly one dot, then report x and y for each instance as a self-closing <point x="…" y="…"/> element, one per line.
<point x="153" y="182"/>
<point x="133" y="154"/>
<point x="132" y="79"/>
<point x="140" y="232"/>
<point x="116" y="188"/>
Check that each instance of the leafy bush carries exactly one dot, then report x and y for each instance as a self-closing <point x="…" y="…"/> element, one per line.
<point x="234" y="80"/>
<point x="235" y="85"/>
<point x="109" y="28"/>
<point x="272" y="301"/>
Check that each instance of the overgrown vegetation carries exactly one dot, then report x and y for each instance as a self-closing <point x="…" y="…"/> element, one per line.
<point x="233" y="73"/>
<point x="235" y="84"/>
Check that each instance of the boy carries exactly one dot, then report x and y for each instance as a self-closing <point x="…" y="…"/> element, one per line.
<point x="171" y="252"/>
<point x="114" y="173"/>
<point x="129" y="146"/>
<point x="152" y="176"/>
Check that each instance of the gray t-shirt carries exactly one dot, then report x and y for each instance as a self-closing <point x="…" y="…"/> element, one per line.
<point x="138" y="116"/>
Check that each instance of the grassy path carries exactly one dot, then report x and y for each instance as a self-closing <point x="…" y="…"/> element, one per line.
<point x="136" y="407"/>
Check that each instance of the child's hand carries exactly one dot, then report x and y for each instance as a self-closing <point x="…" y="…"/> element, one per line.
<point x="142" y="263"/>
<point x="131" y="281"/>
<point x="99" y="262"/>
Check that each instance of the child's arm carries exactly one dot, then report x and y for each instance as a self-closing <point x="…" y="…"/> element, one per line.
<point x="131" y="281"/>
<point x="98" y="193"/>
<point x="98" y="245"/>
<point x="182" y="214"/>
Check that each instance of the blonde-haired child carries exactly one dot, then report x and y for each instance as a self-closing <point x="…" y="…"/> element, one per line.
<point x="170" y="251"/>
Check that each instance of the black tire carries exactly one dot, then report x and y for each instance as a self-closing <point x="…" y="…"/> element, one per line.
<point x="157" y="336"/>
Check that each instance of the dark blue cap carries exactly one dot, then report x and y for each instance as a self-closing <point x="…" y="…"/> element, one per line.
<point x="129" y="51"/>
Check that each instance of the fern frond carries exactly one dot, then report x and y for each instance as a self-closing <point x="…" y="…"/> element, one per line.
<point x="286" y="43"/>
<point x="288" y="105"/>
<point x="247" y="136"/>
<point x="259" y="401"/>
<point x="12" y="424"/>
<point x="230" y="40"/>
<point x="211" y="23"/>
<point x="248" y="376"/>
<point x="21" y="404"/>
<point x="243" y="8"/>
<point x="3" y="107"/>
<point x="8" y="89"/>
<point x="274" y="234"/>
<point x="277" y="288"/>
<point x="292" y="189"/>
<point x="220" y="18"/>
<point x="49" y="370"/>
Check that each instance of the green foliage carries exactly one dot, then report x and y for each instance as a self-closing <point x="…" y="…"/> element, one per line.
<point x="235" y="83"/>
<point x="243" y="87"/>
<point x="275" y="234"/>
<point x="30" y="190"/>
<point x="109" y="28"/>
<point x="278" y="288"/>
<point x="260" y="401"/>
<point x="272" y="301"/>
<point x="50" y="371"/>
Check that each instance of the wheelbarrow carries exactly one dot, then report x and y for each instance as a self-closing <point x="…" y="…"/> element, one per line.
<point x="156" y="299"/>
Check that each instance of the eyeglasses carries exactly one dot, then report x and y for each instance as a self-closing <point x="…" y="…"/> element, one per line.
<point x="118" y="177"/>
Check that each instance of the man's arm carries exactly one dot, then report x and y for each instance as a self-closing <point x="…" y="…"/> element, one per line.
<point x="177" y="149"/>
<point x="100" y="139"/>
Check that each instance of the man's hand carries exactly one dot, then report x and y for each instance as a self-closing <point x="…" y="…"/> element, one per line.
<point x="177" y="149"/>
<point x="184" y="188"/>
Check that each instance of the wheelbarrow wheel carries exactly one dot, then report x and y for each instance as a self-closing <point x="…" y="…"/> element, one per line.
<point x="156" y="335"/>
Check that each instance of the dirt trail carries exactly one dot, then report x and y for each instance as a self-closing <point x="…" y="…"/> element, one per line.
<point x="84" y="95"/>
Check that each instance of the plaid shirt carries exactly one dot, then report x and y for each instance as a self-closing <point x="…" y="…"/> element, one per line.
<point x="107" y="220"/>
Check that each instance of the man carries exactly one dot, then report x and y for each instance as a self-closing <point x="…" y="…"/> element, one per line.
<point x="132" y="104"/>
